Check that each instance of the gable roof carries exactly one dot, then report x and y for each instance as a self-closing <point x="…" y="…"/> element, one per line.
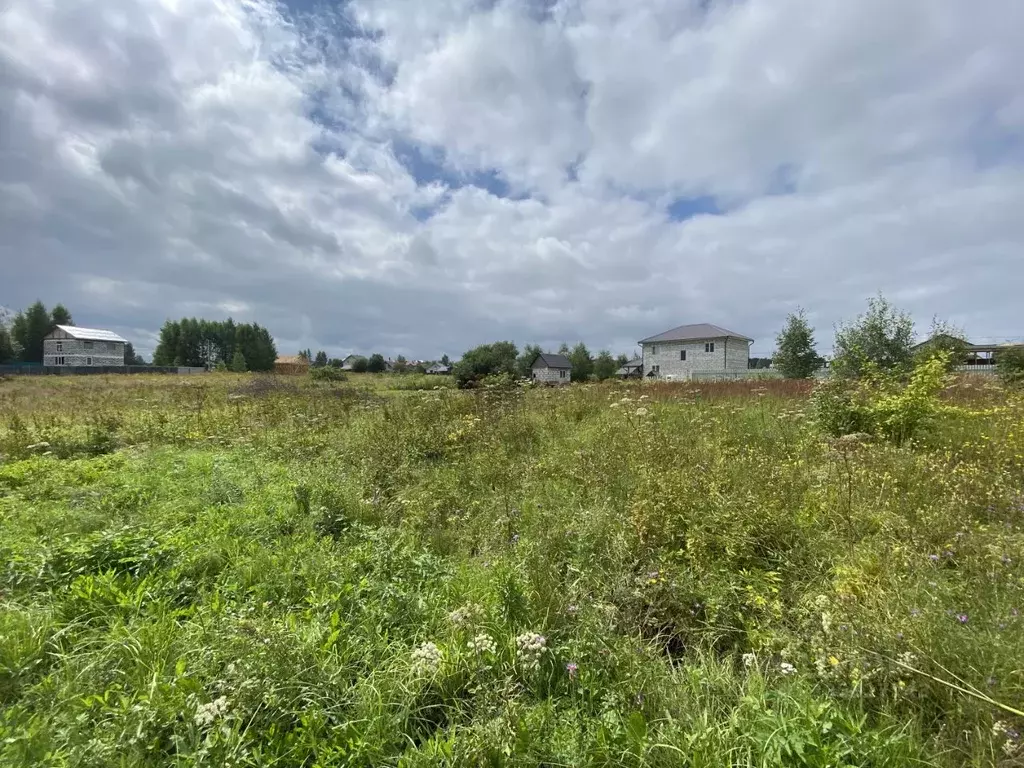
<point x="695" y="332"/>
<point x="291" y="360"/>
<point x="90" y="334"/>
<point x="552" y="361"/>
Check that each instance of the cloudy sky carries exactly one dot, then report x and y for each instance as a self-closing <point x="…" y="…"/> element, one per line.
<point x="418" y="177"/>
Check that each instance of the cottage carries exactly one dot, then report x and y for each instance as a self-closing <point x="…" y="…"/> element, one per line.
<point x="348" y="362"/>
<point x="86" y="347"/>
<point x="551" y="369"/>
<point x="291" y="364"/>
<point x="701" y="347"/>
<point x="634" y="369"/>
<point x="439" y="370"/>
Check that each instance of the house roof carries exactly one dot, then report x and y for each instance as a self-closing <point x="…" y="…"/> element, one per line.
<point x="630" y="367"/>
<point x="552" y="360"/>
<point x="695" y="332"/>
<point x="90" y="334"/>
<point x="291" y="360"/>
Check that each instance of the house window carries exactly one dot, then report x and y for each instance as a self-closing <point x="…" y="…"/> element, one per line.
<point x="87" y="344"/>
<point x="656" y="369"/>
<point x="561" y="374"/>
<point x="88" y="361"/>
<point x="654" y="350"/>
<point x="60" y="346"/>
<point x="58" y="360"/>
<point x="709" y="346"/>
<point x="682" y="355"/>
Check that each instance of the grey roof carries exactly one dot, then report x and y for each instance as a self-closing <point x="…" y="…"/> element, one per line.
<point x="695" y="332"/>
<point x="630" y="367"/>
<point x="90" y="334"/>
<point x="552" y="361"/>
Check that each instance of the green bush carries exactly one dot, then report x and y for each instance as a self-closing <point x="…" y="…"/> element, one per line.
<point x="1010" y="366"/>
<point x="326" y="373"/>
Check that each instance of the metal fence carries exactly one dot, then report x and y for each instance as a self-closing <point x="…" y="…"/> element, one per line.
<point x="31" y="369"/>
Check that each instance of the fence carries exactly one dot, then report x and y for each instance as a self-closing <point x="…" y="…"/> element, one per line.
<point x="77" y="370"/>
<point x="751" y="374"/>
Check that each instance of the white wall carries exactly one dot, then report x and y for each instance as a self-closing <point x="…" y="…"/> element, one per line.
<point x="75" y="352"/>
<point x="666" y="354"/>
<point x="551" y="375"/>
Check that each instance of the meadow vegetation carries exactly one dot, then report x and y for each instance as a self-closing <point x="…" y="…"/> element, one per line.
<point x="243" y="570"/>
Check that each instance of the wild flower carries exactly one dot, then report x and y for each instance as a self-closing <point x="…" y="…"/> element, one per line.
<point x="907" y="659"/>
<point x="787" y="669"/>
<point x="572" y="609"/>
<point x="482" y="644"/>
<point x="962" y="618"/>
<point x="1006" y="559"/>
<point x="572" y="669"/>
<point x="530" y="647"/>
<point x="465" y="614"/>
<point x="641" y="411"/>
<point x="616" y="405"/>
<point x="749" y="659"/>
<point x="426" y="658"/>
<point x="207" y="713"/>
<point x="934" y="558"/>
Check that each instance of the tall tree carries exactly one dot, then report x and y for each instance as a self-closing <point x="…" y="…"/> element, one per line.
<point x="6" y="346"/>
<point x="604" y="365"/>
<point x="376" y="363"/>
<point x="881" y="338"/>
<point x="131" y="357"/>
<point x="445" y="360"/>
<point x="305" y="354"/>
<point x="29" y="329"/>
<point x="321" y="359"/>
<point x="238" y="364"/>
<point x="525" y="360"/>
<point x="486" y="360"/>
<point x="620" y="361"/>
<point x="582" y="362"/>
<point x="60" y="315"/>
<point x="401" y="364"/>
<point x="795" y="355"/>
<point x="361" y="364"/>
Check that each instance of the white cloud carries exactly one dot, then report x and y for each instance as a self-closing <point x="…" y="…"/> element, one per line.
<point x="164" y="158"/>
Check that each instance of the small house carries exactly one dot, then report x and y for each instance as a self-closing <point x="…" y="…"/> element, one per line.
<point x="634" y="369"/>
<point x="348" y="362"/>
<point x="439" y="370"/>
<point x="291" y="365"/>
<point x="82" y="347"/>
<point x="551" y="369"/>
<point x="688" y="349"/>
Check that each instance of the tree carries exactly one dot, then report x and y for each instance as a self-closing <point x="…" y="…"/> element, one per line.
<point x="582" y="362"/>
<point x="6" y="346"/>
<point x="401" y="364"/>
<point x="376" y="364"/>
<point x="525" y="360"/>
<point x="605" y="365"/>
<point x="131" y="357"/>
<point x="944" y="337"/>
<point x="321" y="359"/>
<point x="361" y="365"/>
<point x="238" y="362"/>
<point x="1010" y="365"/>
<point x="795" y="356"/>
<point x="305" y="354"/>
<point x="486" y="360"/>
<point x="620" y="361"/>
<point x="29" y="329"/>
<point x="204" y="343"/>
<point x="60" y="315"/>
<point x="445" y="360"/>
<point x="881" y="338"/>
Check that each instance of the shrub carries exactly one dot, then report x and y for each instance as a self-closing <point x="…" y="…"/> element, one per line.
<point x="1010" y="366"/>
<point x="326" y="373"/>
<point x="880" y="339"/>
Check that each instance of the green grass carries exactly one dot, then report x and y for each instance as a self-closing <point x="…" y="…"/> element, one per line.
<point x="234" y="570"/>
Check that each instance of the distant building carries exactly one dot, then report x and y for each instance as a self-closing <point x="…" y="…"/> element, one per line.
<point x="439" y="369"/>
<point x="291" y="364"/>
<point x="634" y="369"/>
<point x="701" y="347"/>
<point x="551" y="369"/>
<point x="82" y="347"/>
<point x="346" y="363"/>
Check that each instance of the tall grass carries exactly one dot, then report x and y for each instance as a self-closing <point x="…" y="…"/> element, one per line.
<point x="237" y="570"/>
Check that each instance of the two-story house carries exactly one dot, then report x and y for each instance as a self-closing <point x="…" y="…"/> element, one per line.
<point x="71" y="345"/>
<point x="702" y="347"/>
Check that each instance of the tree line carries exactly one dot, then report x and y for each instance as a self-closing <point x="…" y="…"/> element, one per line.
<point x="222" y="344"/>
<point x="22" y="342"/>
<point x="503" y="358"/>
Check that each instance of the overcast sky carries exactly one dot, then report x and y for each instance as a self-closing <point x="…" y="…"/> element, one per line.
<point x="418" y="177"/>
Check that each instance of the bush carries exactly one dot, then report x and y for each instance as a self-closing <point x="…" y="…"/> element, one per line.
<point x="326" y="374"/>
<point x="1010" y="366"/>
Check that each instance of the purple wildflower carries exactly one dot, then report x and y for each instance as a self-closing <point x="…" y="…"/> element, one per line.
<point x="934" y="558"/>
<point x="915" y="612"/>
<point x="962" y="618"/>
<point x="948" y="553"/>
<point x="573" y="669"/>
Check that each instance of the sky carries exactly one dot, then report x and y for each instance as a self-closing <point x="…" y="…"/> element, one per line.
<point x="418" y="177"/>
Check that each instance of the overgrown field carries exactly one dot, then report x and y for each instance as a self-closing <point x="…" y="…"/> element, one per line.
<point x="230" y="570"/>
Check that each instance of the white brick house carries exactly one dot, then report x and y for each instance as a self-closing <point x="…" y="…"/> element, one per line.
<point x="71" y="345"/>
<point x="702" y="347"/>
<point x="551" y="369"/>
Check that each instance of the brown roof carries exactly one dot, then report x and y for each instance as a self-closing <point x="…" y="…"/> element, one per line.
<point x="291" y="360"/>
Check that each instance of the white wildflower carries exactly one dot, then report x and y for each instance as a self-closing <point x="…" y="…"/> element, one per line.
<point x="483" y="644"/>
<point x="465" y="614"/>
<point x="207" y="713"/>
<point x="426" y="658"/>
<point x="531" y="647"/>
<point x="787" y="669"/>
<point x="749" y="659"/>
<point x="907" y="659"/>
<point x="616" y="405"/>
<point x="641" y="411"/>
